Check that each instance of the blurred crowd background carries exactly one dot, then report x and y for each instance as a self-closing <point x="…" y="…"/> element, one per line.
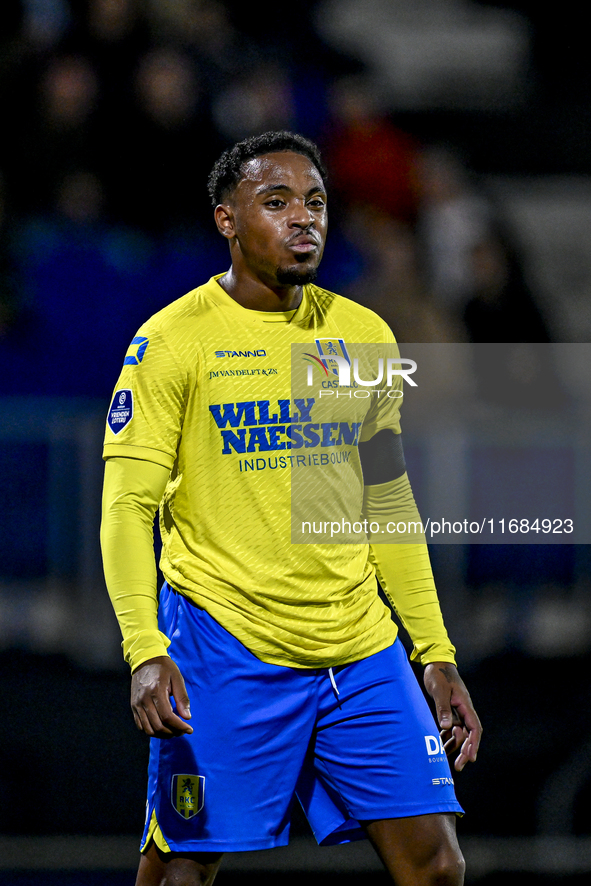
<point x="114" y="111"/>
<point x="458" y="139"/>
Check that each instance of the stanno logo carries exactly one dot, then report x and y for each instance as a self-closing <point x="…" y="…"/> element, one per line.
<point x="258" y="353"/>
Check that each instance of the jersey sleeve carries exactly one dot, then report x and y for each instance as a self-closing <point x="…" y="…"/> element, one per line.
<point x="148" y="406"/>
<point x="404" y="570"/>
<point x="387" y="398"/>
<point x="131" y="493"/>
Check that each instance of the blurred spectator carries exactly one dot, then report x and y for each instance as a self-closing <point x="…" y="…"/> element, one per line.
<point x="500" y="305"/>
<point x="187" y="20"/>
<point x="519" y="370"/>
<point x="69" y="91"/>
<point x="31" y="35"/>
<point x="60" y="134"/>
<point x="84" y="293"/>
<point x="260" y="101"/>
<point x="80" y="198"/>
<point x="158" y="161"/>
<point x="111" y="20"/>
<point x="391" y="285"/>
<point x="453" y="219"/>
<point x="167" y="88"/>
<point x="371" y="161"/>
<point x="113" y="35"/>
<point x="205" y="30"/>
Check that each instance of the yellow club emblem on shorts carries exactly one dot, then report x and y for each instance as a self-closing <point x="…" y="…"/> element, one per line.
<point x="186" y="794"/>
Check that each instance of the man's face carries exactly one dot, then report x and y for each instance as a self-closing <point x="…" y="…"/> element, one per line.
<point x="279" y="218"/>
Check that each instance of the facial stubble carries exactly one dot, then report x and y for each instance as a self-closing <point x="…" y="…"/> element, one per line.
<point x="294" y="276"/>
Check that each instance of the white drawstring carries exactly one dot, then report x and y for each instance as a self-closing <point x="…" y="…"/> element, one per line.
<point x="333" y="681"/>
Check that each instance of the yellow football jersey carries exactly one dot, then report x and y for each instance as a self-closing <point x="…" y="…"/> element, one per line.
<point x="248" y="411"/>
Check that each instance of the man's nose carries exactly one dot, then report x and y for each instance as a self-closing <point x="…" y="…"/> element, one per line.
<point x="301" y="217"/>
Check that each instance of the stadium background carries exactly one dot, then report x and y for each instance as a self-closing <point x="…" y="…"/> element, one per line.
<point x="458" y="135"/>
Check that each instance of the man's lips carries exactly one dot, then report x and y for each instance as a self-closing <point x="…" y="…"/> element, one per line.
<point x="303" y="243"/>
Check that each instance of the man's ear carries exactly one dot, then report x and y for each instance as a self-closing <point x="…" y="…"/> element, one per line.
<point x="224" y="219"/>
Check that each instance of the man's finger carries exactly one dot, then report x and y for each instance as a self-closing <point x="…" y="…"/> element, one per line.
<point x="470" y="747"/>
<point x="444" y="716"/>
<point x="474" y="727"/>
<point x="149" y="719"/>
<point x="179" y="693"/>
<point x="144" y="722"/>
<point x="467" y="754"/>
<point x="158" y="728"/>
<point x="169" y="721"/>
<point x="456" y="721"/>
<point x="454" y="739"/>
<point x="137" y="720"/>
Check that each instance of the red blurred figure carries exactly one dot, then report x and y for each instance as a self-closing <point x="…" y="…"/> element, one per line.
<point x="371" y="160"/>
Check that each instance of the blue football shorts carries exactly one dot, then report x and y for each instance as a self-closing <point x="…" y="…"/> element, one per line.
<point x="354" y="743"/>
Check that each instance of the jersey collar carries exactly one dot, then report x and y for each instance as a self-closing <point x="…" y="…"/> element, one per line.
<point x="215" y="293"/>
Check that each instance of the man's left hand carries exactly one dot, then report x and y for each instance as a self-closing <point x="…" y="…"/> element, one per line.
<point x="460" y="728"/>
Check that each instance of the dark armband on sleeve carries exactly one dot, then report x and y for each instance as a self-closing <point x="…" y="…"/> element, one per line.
<point x="382" y="458"/>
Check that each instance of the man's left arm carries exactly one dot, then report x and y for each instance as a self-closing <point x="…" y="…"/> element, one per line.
<point x="404" y="571"/>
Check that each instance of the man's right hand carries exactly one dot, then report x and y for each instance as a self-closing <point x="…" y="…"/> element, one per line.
<point x="153" y="684"/>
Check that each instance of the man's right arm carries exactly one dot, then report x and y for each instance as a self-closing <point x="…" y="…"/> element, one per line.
<point x="132" y="492"/>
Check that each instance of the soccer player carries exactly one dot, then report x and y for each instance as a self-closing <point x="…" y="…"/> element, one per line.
<point x="298" y="683"/>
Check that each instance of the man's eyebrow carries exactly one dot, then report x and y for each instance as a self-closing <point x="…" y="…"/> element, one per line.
<point x="268" y="189"/>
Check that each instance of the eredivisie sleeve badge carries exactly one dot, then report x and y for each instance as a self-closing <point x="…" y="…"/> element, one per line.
<point x="120" y="410"/>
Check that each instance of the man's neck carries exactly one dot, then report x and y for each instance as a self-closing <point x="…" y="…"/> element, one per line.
<point x="258" y="296"/>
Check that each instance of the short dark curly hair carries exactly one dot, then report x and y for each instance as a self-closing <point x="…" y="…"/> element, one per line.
<point x="227" y="171"/>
